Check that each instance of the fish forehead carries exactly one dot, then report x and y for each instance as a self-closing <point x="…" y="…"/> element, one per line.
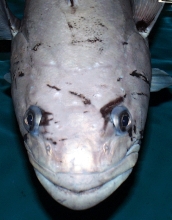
<point x="91" y="37"/>
<point x="83" y="40"/>
<point x="89" y="30"/>
<point x="69" y="90"/>
<point x="56" y="15"/>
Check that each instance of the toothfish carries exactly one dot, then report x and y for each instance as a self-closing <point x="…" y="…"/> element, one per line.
<point x="81" y="78"/>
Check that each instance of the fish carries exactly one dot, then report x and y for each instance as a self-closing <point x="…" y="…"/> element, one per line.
<point x="81" y="81"/>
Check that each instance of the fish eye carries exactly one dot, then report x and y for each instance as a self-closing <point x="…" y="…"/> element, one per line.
<point x="32" y="119"/>
<point x="121" y="119"/>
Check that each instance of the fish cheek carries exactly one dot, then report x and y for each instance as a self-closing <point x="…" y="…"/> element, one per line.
<point x="36" y="150"/>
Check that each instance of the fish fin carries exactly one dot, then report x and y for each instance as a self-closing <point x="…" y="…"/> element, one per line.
<point x="145" y="14"/>
<point x="160" y="80"/>
<point x="7" y="77"/>
<point x="9" y="24"/>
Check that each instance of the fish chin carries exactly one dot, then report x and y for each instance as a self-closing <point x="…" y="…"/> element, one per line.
<point x="82" y="199"/>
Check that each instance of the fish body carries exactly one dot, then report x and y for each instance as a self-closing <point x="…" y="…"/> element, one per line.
<point x="81" y="79"/>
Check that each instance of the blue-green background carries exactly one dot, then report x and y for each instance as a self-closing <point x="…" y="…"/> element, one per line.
<point x="147" y="193"/>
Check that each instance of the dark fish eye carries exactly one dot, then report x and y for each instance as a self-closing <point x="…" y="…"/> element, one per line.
<point x="125" y="120"/>
<point x="121" y="119"/>
<point x="32" y="120"/>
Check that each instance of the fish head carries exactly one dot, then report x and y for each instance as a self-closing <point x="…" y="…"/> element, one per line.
<point x="81" y="110"/>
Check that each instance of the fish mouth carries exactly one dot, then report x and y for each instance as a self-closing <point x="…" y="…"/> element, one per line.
<point x="81" y="200"/>
<point x="134" y="149"/>
<point x="82" y="191"/>
<point x="75" y="191"/>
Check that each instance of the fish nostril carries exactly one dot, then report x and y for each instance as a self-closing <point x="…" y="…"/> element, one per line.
<point x="48" y="149"/>
<point x="106" y="148"/>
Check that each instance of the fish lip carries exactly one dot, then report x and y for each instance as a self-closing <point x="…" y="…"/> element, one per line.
<point x="91" y="190"/>
<point x="87" y="191"/>
<point x="133" y="149"/>
<point x="66" y="190"/>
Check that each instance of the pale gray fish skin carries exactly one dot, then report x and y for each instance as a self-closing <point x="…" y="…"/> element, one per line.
<point x="74" y="68"/>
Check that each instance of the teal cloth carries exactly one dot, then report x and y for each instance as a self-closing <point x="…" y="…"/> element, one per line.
<point x="147" y="193"/>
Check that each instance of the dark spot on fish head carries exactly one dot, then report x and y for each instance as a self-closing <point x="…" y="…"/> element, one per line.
<point x="94" y="40"/>
<point x="25" y="138"/>
<point x="21" y="74"/>
<point x="63" y="139"/>
<point x="72" y="3"/>
<point x="103" y="86"/>
<point x="102" y="25"/>
<point x="141" y="133"/>
<point x="130" y="133"/>
<point x="50" y="139"/>
<point x="100" y="49"/>
<point x="141" y="93"/>
<point x="84" y="99"/>
<point x="53" y="87"/>
<point x="107" y="109"/>
<point x="140" y="75"/>
<point x="141" y="26"/>
<point x="70" y="25"/>
<point x="73" y="10"/>
<point x="35" y="48"/>
<point x="45" y="118"/>
<point x="119" y="79"/>
<point x="16" y="63"/>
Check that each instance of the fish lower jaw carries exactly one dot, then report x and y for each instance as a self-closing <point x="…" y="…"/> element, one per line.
<point x="82" y="199"/>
